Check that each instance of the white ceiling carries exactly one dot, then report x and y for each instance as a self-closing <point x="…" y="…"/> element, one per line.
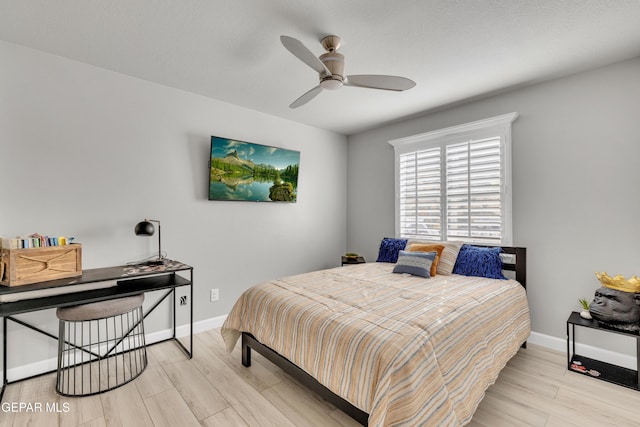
<point x="230" y="49"/>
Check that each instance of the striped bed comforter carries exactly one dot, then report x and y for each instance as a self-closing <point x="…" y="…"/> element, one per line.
<point x="407" y="350"/>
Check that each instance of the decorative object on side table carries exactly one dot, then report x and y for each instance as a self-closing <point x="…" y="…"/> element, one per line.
<point x="577" y="366"/>
<point x="146" y="228"/>
<point x="617" y="303"/>
<point x="352" y="258"/>
<point x="584" y="313"/>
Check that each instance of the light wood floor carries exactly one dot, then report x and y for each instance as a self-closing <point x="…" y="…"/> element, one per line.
<point x="213" y="389"/>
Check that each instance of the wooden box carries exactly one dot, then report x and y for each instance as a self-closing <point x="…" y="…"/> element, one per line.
<point x="25" y="266"/>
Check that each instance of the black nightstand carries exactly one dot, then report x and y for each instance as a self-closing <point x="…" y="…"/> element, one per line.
<point x="349" y="261"/>
<point x="608" y="372"/>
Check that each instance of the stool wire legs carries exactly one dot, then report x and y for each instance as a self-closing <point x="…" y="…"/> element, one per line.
<point x="98" y="355"/>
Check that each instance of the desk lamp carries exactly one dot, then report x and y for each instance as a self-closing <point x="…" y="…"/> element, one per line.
<point x="146" y="228"/>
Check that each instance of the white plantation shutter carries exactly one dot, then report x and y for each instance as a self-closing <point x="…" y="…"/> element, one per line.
<point x="474" y="190"/>
<point x="420" y="194"/>
<point x="454" y="184"/>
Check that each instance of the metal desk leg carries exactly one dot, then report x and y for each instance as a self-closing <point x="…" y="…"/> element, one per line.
<point x="188" y="352"/>
<point x="173" y="310"/>
<point x="5" y="381"/>
<point x="191" y="315"/>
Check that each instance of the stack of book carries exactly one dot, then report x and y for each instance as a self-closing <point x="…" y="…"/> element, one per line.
<point x="34" y="240"/>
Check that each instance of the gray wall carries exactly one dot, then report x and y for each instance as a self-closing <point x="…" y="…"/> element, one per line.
<point x="576" y="149"/>
<point x="86" y="152"/>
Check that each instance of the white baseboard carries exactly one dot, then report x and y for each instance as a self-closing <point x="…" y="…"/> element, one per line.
<point x="560" y="344"/>
<point x="36" y="368"/>
<point x="536" y="338"/>
<point x="183" y="330"/>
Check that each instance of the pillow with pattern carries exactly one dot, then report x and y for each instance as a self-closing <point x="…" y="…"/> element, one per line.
<point x="478" y="261"/>
<point x="389" y="248"/>
<point x="415" y="263"/>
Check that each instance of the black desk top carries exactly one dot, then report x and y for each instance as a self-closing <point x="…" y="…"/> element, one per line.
<point x="147" y="278"/>
<point x="120" y="272"/>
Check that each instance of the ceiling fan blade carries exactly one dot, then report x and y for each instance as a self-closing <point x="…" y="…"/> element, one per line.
<point x="296" y="47"/>
<point x="380" y="82"/>
<point x="306" y="97"/>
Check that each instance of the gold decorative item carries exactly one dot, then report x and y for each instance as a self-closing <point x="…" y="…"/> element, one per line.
<point x="619" y="282"/>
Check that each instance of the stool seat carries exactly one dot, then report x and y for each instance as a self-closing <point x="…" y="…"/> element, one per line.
<point x="101" y="346"/>
<point x="100" y="310"/>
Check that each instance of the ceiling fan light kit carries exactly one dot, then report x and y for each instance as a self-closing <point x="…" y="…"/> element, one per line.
<point x="330" y="69"/>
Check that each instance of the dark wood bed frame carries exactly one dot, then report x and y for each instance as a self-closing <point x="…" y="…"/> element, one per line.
<point x="249" y="342"/>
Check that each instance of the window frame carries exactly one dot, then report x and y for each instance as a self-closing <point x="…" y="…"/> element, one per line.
<point x="497" y="126"/>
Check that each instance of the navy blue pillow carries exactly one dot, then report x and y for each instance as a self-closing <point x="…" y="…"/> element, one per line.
<point x="481" y="262"/>
<point x="389" y="249"/>
<point x="415" y="263"/>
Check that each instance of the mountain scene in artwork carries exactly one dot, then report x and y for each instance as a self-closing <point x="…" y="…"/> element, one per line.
<point x="252" y="172"/>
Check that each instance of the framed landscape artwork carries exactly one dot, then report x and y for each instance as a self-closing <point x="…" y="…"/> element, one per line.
<point x="244" y="171"/>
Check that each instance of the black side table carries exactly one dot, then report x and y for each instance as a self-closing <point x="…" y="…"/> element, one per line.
<point x="591" y="367"/>
<point x="349" y="260"/>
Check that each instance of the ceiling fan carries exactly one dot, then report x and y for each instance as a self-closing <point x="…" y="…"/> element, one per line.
<point x="330" y="67"/>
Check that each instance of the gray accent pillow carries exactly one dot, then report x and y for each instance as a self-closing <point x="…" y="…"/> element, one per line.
<point x="415" y="263"/>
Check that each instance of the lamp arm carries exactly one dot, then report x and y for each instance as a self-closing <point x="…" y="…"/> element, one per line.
<point x="159" y="242"/>
<point x="159" y="237"/>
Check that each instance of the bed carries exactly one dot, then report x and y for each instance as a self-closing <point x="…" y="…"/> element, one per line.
<point x="386" y="348"/>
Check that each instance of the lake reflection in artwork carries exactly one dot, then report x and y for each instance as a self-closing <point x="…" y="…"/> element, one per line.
<point x="252" y="172"/>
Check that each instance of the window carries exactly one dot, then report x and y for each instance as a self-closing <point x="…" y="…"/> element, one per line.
<point x="455" y="183"/>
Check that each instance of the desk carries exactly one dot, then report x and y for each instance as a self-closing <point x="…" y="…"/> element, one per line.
<point x="129" y="280"/>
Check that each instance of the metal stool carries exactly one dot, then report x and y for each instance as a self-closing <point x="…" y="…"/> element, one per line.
<point x="101" y="346"/>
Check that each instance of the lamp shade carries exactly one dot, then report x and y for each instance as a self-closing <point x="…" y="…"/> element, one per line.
<point x="145" y="228"/>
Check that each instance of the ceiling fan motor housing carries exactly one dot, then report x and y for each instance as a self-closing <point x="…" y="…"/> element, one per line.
<point x="334" y="61"/>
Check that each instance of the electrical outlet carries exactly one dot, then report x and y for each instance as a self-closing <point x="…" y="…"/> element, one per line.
<point x="183" y="300"/>
<point x="215" y="294"/>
